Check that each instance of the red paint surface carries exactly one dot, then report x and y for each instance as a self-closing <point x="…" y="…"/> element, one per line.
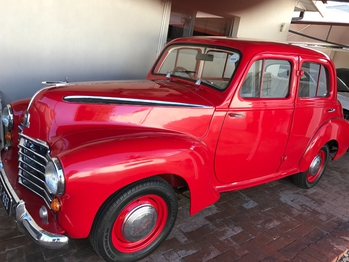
<point x="104" y="147"/>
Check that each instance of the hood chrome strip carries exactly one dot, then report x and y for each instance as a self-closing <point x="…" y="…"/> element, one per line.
<point x="128" y="101"/>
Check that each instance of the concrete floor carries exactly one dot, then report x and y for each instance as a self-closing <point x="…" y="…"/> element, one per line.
<point x="273" y="222"/>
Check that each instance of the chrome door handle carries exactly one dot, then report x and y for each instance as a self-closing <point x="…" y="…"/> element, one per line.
<point x="236" y="115"/>
<point x="331" y="110"/>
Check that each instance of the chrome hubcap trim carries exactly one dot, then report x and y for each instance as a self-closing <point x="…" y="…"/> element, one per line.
<point x="315" y="166"/>
<point x="139" y="223"/>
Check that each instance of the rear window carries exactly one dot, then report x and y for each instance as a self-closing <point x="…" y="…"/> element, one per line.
<point x="314" y="82"/>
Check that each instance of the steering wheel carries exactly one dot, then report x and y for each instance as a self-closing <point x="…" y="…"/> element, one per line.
<point x="181" y="69"/>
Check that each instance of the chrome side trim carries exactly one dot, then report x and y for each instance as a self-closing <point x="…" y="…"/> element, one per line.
<point x="128" y="101"/>
<point x="26" y="222"/>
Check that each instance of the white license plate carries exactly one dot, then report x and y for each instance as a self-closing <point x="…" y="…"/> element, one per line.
<point x="5" y="199"/>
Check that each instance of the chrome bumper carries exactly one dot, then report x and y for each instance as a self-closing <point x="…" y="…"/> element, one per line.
<point x="26" y="223"/>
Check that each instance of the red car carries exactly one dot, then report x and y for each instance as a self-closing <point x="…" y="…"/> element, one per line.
<point x="103" y="159"/>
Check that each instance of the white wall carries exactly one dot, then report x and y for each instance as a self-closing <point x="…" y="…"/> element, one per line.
<point x="261" y="19"/>
<point x="340" y="57"/>
<point x="81" y="39"/>
<point x="258" y="19"/>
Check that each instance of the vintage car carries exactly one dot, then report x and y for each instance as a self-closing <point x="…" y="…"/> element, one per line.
<point x="343" y="89"/>
<point x="104" y="160"/>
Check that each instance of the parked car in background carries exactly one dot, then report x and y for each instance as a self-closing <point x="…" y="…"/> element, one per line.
<point x="103" y="160"/>
<point x="343" y="89"/>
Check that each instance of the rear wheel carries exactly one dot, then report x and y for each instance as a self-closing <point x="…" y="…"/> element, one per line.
<point x="135" y="221"/>
<point x="312" y="176"/>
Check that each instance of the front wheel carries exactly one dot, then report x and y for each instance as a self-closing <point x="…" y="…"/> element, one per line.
<point x="135" y="221"/>
<point x="311" y="177"/>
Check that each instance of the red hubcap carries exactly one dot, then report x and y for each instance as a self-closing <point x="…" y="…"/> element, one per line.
<point x="139" y="223"/>
<point x="316" y="166"/>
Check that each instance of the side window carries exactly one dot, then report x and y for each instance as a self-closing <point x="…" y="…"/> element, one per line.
<point x="314" y="81"/>
<point x="267" y="78"/>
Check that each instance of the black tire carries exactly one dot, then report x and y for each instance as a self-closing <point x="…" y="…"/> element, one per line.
<point x="346" y="114"/>
<point x="312" y="176"/>
<point x="135" y="221"/>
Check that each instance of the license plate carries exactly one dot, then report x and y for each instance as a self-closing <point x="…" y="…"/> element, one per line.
<point x="5" y="199"/>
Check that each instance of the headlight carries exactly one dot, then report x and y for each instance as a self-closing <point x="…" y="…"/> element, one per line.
<point x="7" y="117"/>
<point x="54" y="177"/>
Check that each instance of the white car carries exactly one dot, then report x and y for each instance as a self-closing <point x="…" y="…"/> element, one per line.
<point x="343" y="90"/>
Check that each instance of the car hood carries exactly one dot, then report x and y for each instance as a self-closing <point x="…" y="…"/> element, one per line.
<point x="117" y="108"/>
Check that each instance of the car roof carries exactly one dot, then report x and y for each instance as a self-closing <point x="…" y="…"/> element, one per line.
<point x="251" y="46"/>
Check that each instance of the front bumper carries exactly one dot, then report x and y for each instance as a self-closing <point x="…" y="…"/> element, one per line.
<point x="26" y="223"/>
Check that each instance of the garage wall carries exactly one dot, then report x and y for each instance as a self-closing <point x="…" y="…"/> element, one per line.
<point x="81" y="39"/>
<point x="339" y="57"/>
<point x="263" y="19"/>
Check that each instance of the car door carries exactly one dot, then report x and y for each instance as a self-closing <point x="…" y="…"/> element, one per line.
<point x="314" y="106"/>
<point x="256" y="128"/>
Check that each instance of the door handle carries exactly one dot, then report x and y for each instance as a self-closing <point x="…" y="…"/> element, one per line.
<point x="331" y="110"/>
<point x="236" y="115"/>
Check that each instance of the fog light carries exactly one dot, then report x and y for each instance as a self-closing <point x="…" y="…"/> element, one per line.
<point x="43" y="214"/>
<point x="8" y="136"/>
<point x="55" y="205"/>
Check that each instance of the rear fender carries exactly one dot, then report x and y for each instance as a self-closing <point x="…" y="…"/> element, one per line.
<point x="333" y="130"/>
<point x="95" y="171"/>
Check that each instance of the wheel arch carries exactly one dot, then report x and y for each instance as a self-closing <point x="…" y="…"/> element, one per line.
<point x="180" y="161"/>
<point x="333" y="133"/>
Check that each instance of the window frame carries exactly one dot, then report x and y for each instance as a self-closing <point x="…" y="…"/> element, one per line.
<point x="262" y="72"/>
<point x="322" y="68"/>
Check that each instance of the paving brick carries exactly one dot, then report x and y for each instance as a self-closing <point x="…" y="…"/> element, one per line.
<point x="313" y="253"/>
<point x="187" y="249"/>
<point x="291" y="250"/>
<point x="315" y="235"/>
<point x="256" y="256"/>
<point x="206" y="253"/>
<point x="281" y="242"/>
<point x="15" y="255"/>
<point x="169" y="244"/>
<point x="242" y="237"/>
<point x="228" y="256"/>
<point x="324" y="249"/>
<point x="273" y="222"/>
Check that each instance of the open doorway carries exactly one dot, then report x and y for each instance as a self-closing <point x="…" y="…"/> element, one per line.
<point x="194" y="23"/>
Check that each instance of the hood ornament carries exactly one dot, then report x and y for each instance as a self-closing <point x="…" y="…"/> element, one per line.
<point x="56" y="83"/>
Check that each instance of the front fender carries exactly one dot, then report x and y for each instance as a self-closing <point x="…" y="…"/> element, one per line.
<point x="97" y="170"/>
<point x="18" y="107"/>
<point x="333" y="130"/>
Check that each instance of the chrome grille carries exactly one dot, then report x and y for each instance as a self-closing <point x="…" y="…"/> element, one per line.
<point x="33" y="157"/>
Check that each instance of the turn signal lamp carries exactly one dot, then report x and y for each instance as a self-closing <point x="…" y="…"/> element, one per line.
<point x="8" y="136"/>
<point x="55" y="205"/>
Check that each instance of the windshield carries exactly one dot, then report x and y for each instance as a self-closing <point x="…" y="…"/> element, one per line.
<point x="209" y="65"/>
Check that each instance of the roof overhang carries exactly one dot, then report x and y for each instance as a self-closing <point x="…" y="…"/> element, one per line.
<point x="311" y="6"/>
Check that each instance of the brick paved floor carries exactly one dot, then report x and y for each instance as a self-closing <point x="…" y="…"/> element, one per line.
<point x="273" y="222"/>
